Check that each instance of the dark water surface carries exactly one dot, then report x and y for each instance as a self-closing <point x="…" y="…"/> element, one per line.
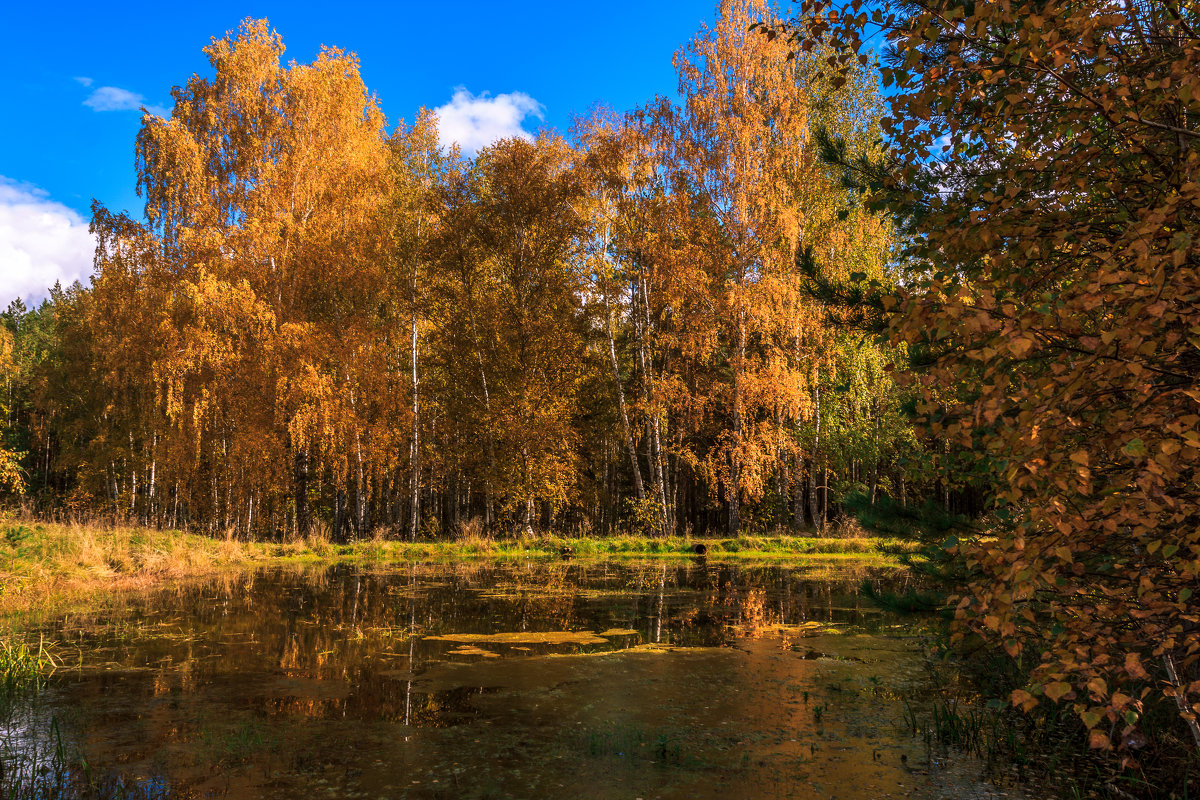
<point x="529" y="679"/>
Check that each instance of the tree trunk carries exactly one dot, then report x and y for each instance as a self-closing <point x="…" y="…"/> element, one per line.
<point x="414" y="521"/>
<point x="153" y="492"/>
<point x="625" y="429"/>
<point x="487" y="406"/>
<point x="813" y="502"/>
<point x="652" y="420"/>
<point x="360" y="490"/>
<point x="527" y="517"/>
<point x="1181" y="698"/>
<point x="797" y="491"/>
<point x="300" y="485"/>
<point x="735" y="461"/>
<point x="660" y="484"/>
<point x="780" y="510"/>
<point x="825" y="499"/>
<point x="339" y="512"/>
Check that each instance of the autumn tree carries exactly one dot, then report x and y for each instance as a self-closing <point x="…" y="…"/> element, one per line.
<point x="11" y="479"/>
<point x="513" y="327"/>
<point x="319" y="325"/>
<point x="739" y="138"/>
<point x="249" y="288"/>
<point x="614" y="151"/>
<point x="30" y="355"/>
<point x="419" y="168"/>
<point x="1044" y="158"/>
<point x="738" y="160"/>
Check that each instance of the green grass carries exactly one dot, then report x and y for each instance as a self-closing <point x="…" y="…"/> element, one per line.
<point x="23" y="668"/>
<point x="633" y="744"/>
<point x="47" y="566"/>
<point x="785" y="547"/>
<point x="43" y="564"/>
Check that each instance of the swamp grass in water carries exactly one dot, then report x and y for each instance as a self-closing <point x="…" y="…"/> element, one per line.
<point x="1156" y="760"/>
<point x="24" y="668"/>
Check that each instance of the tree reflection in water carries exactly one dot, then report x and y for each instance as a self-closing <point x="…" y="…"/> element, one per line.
<point x="679" y="679"/>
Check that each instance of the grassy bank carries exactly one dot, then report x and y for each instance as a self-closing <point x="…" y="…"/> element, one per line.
<point x="46" y="564"/>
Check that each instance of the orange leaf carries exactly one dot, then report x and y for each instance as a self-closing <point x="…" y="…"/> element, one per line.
<point x="1023" y="699"/>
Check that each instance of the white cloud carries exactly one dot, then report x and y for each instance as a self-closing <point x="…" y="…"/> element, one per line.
<point x="112" y="98"/>
<point x="41" y="241"/>
<point x="84" y="81"/>
<point x="475" y="121"/>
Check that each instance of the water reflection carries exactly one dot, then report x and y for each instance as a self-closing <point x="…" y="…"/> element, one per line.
<point x="537" y="679"/>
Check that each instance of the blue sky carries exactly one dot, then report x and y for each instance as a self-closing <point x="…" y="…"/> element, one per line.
<point x="73" y="75"/>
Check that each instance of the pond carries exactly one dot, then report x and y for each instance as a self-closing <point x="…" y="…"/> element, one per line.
<point x="529" y="679"/>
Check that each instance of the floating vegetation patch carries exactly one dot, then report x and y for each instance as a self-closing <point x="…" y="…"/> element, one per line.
<point x="787" y="631"/>
<point x="522" y="637"/>
<point x="471" y="650"/>
<point x="809" y="654"/>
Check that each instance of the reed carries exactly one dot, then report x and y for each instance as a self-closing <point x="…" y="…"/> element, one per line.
<point x="24" y="668"/>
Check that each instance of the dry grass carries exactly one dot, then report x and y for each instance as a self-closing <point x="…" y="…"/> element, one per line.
<point x="847" y="528"/>
<point x="46" y="565"/>
<point x="470" y="530"/>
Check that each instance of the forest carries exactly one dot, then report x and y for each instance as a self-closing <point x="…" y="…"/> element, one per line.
<point x="326" y="321"/>
<point x="925" y="268"/>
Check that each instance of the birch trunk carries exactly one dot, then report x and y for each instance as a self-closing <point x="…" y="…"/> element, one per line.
<point x="735" y="462"/>
<point x="414" y="522"/>
<point x="656" y="465"/>
<point x="625" y="429"/>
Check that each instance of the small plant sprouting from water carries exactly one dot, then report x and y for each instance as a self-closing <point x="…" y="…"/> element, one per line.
<point x="628" y="742"/>
<point x="23" y="668"/>
<point x="234" y="744"/>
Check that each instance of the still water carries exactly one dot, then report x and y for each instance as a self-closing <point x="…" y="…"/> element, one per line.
<point x="496" y="680"/>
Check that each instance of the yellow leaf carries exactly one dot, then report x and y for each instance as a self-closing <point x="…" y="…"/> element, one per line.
<point x="1057" y="690"/>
